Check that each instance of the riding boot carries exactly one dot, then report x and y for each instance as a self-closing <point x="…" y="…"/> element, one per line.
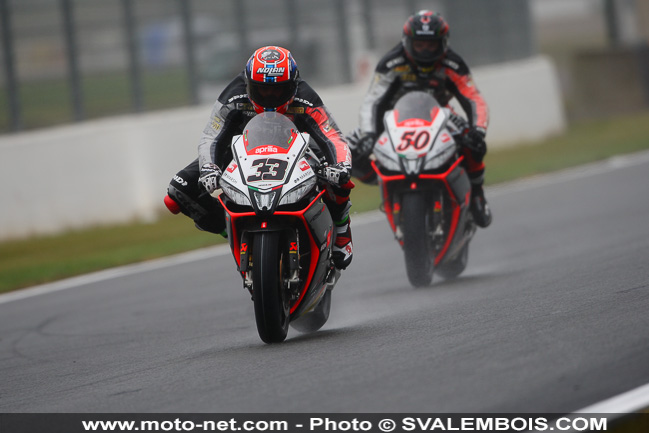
<point x="343" y="247"/>
<point x="479" y="207"/>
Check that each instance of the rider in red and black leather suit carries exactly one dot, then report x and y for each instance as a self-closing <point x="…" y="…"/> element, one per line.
<point x="270" y="82"/>
<point x="423" y="61"/>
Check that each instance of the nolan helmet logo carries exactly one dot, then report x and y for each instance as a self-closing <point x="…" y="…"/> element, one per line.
<point x="271" y="72"/>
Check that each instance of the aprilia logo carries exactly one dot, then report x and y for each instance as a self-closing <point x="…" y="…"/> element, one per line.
<point x="235" y="97"/>
<point x="266" y="149"/>
<point x="394" y="62"/>
<point x="304" y="101"/>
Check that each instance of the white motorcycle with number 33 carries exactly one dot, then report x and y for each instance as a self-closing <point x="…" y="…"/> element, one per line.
<point x="280" y="231"/>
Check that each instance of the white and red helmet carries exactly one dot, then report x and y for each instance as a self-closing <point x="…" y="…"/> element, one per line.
<point x="271" y="79"/>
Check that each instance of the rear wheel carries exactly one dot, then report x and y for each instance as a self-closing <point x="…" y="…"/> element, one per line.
<point x="416" y="245"/>
<point x="272" y="308"/>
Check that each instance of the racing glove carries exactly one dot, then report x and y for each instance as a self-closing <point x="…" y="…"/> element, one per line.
<point x="209" y="177"/>
<point x="338" y="174"/>
<point x="476" y="143"/>
<point x="360" y="143"/>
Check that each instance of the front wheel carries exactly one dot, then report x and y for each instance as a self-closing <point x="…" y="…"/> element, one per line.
<point x="272" y="308"/>
<point x="416" y="245"/>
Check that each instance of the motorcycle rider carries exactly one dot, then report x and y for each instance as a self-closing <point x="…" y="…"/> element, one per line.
<point x="423" y="61"/>
<point x="269" y="82"/>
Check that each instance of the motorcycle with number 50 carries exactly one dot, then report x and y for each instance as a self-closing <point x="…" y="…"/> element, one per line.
<point x="425" y="188"/>
<point x="280" y="231"/>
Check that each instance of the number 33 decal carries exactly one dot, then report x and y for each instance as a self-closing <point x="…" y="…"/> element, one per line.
<point x="268" y="169"/>
<point x="419" y="142"/>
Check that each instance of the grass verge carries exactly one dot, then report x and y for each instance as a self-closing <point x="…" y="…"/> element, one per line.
<point x="43" y="259"/>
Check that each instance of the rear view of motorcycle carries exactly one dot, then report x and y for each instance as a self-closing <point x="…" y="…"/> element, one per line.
<point x="425" y="189"/>
<point x="280" y="231"/>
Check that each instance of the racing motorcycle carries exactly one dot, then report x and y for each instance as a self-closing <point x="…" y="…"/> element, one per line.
<point x="280" y="231"/>
<point x="425" y="189"/>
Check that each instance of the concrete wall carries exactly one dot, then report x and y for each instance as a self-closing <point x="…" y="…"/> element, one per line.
<point x="117" y="170"/>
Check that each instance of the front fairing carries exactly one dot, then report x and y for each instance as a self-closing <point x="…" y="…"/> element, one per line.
<point x="269" y="168"/>
<point x="417" y="154"/>
<point x="415" y="138"/>
<point x="270" y="185"/>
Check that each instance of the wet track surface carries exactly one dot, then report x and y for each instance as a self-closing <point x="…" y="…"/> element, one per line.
<point x="550" y="316"/>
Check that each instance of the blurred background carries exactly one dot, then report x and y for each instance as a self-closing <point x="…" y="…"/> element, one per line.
<point x="65" y="61"/>
<point x="103" y="101"/>
<point x="108" y="97"/>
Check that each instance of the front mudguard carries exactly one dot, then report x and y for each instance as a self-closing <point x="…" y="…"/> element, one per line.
<point x="454" y="183"/>
<point x="311" y="229"/>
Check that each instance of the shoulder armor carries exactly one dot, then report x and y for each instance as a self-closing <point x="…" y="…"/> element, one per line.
<point x="303" y="101"/>
<point x="397" y="61"/>
<point x="455" y="62"/>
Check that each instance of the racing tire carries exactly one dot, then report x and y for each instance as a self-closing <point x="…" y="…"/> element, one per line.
<point x="416" y="245"/>
<point x="272" y="306"/>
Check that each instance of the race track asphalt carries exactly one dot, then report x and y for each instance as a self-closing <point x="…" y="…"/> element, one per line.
<point x="550" y="316"/>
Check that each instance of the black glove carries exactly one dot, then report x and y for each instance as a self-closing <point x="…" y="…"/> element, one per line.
<point x="476" y="143"/>
<point x="209" y="177"/>
<point x="337" y="174"/>
<point x="361" y="143"/>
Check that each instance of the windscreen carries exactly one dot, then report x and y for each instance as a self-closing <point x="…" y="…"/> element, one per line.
<point x="415" y="105"/>
<point x="269" y="129"/>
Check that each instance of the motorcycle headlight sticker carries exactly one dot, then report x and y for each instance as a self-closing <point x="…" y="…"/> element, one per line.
<point x="234" y="194"/>
<point x="439" y="159"/>
<point x="297" y="193"/>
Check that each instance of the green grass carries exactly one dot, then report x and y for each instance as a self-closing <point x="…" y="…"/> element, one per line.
<point x="49" y="258"/>
<point x="583" y="143"/>
<point x="43" y="259"/>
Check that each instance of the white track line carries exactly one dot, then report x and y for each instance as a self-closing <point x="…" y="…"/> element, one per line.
<point x="611" y="164"/>
<point x="583" y="171"/>
<point x="120" y="271"/>
<point x="612" y="408"/>
<point x="630" y="401"/>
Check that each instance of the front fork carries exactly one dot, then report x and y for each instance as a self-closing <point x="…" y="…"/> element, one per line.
<point x="291" y="242"/>
<point x="245" y="262"/>
<point x="435" y="217"/>
<point x="293" y="280"/>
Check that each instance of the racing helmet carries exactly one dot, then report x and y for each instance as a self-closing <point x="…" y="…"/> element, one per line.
<point x="425" y="38"/>
<point x="271" y="79"/>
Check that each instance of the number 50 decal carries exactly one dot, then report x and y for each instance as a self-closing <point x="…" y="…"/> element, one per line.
<point x="268" y="169"/>
<point x="419" y="142"/>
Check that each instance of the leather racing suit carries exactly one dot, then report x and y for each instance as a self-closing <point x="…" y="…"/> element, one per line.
<point x="395" y="75"/>
<point x="230" y="113"/>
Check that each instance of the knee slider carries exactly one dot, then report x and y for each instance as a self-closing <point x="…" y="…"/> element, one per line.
<point x="186" y="204"/>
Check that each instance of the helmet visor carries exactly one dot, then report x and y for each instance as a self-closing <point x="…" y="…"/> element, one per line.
<point x="271" y="95"/>
<point x="426" y="50"/>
